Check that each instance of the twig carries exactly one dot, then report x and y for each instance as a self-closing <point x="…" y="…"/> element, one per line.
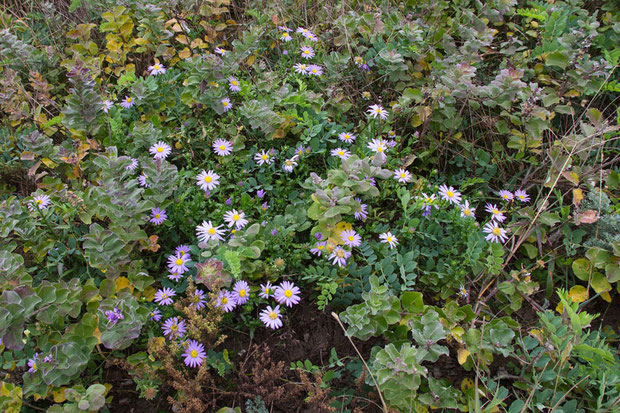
<point x="385" y="409"/>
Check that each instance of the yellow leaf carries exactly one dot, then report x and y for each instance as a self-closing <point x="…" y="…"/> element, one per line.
<point x="572" y="94"/>
<point x="577" y="196"/>
<point x="149" y="293"/>
<point x="467" y="384"/>
<point x="183" y="39"/>
<point x="123" y="282"/>
<point x="578" y="294"/>
<point x="250" y="60"/>
<point x="59" y="395"/>
<point x="97" y="334"/>
<point x="108" y="387"/>
<point x="537" y="334"/>
<point x="185" y="53"/>
<point x="463" y="353"/>
<point x="605" y="296"/>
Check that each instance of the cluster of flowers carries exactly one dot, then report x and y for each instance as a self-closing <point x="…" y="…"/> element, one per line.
<point x="32" y="363"/>
<point x="286" y="293"/>
<point x="339" y="255"/>
<point x="307" y="52"/>
<point x="494" y="232"/>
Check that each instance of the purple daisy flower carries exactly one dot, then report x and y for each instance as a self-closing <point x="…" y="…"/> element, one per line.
<point x="314" y="70"/>
<point x="241" y="292"/>
<point x="174" y="328"/>
<point x="233" y="84"/>
<point x="164" y="296"/>
<point x="265" y="290"/>
<point x="226" y="104"/>
<point x="198" y="299"/>
<point x="522" y="195"/>
<point x="142" y="181"/>
<point x="506" y="195"/>
<point x="226" y="301"/>
<point x="176" y="263"/>
<point x="318" y="248"/>
<point x="155" y="315"/>
<point x="175" y="276"/>
<point x="362" y="213"/>
<point x="339" y="256"/>
<point x="128" y="102"/>
<point x="194" y="354"/>
<point x="182" y="250"/>
<point x="32" y="363"/>
<point x="351" y="238"/>
<point x="287" y="293"/>
<point x="271" y="317"/>
<point x="158" y="216"/>
<point x="133" y="165"/>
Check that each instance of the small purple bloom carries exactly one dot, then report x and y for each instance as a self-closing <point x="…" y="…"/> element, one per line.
<point x="241" y="292"/>
<point x="32" y="363"/>
<point x="318" y="236"/>
<point x="287" y="293"/>
<point x="174" y="328"/>
<point x="265" y="290"/>
<point x="271" y="317"/>
<point x="260" y="194"/>
<point x="155" y="315"/>
<point x="194" y="354"/>
<point x="158" y="216"/>
<point x="164" y="296"/>
<point x="274" y="232"/>
<point x="229" y="201"/>
<point x="198" y="299"/>
<point x="114" y="315"/>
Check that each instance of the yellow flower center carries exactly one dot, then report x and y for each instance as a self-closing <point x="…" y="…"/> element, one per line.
<point x="389" y="239"/>
<point x="378" y="110"/>
<point x="320" y="247"/>
<point x="156" y="67"/>
<point x="193" y="353"/>
<point x="402" y="175"/>
<point x="273" y="315"/>
<point x="497" y="231"/>
<point x="129" y="100"/>
<point x="340" y="153"/>
<point x="306" y="52"/>
<point x="340" y="253"/>
<point x="450" y="194"/>
<point x="314" y="70"/>
<point x="160" y="149"/>
<point x="350" y="238"/>
<point x="521" y="196"/>
<point x="288" y="163"/>
<point x="211" y="231"/>
<point x="174" y="327"/>
<point x="34" y="366"/>
<point x="241" y="293"/>
<point x="224" y="300"/>
<point x="264" y="157"/>
<point x="234" y="83"/>
<point x="222" y="147"/>
<point x="164" y="296"/>
<point x="236" y="217"/>
<point x="225" y="103"/>
<point x="288" y="293"/>
<point x="467" y="212"/>
<point x="179" y="261"/>
<point x="38" y="201"/>
<point x="495" y="211"/>
<point x="379" y="149"/>
<point x="208" y="179"/>
<point x="157" y="216"/>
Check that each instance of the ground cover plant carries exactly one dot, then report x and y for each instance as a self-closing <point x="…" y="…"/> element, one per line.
<point x="280" y="206"/>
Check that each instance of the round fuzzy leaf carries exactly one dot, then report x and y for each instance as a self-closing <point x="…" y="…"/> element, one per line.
<point x="600" y="283"/>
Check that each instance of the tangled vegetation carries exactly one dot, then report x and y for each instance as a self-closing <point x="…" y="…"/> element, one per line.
<point x="273" y="206"/>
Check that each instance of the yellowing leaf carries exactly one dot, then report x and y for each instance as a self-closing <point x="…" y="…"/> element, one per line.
<point x="183" y="39"/>
<point x="123" y="282"/>
<point x="149" y="293"/>
<point x="467" y="384"/>
<point x="463" y="353"/>
<point x="536" y="333"/>
<point x="605" y="296"/>
<point x="185" y="53"/>
<point x="578" y="294"/>
<point x="97" y="334"/>
<point x="600" y="283"/>
<point x="59" y="395"/>
<point x="250" y="60"/>
<point x="577" y="196"/>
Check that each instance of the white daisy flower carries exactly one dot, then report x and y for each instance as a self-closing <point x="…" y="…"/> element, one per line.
<point x="236" y="218"/>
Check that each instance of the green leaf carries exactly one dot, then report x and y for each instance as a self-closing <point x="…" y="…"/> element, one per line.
<point x="412" y="302"/>
<point x="582" y="269"/>
<point x="558" y="58"/>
